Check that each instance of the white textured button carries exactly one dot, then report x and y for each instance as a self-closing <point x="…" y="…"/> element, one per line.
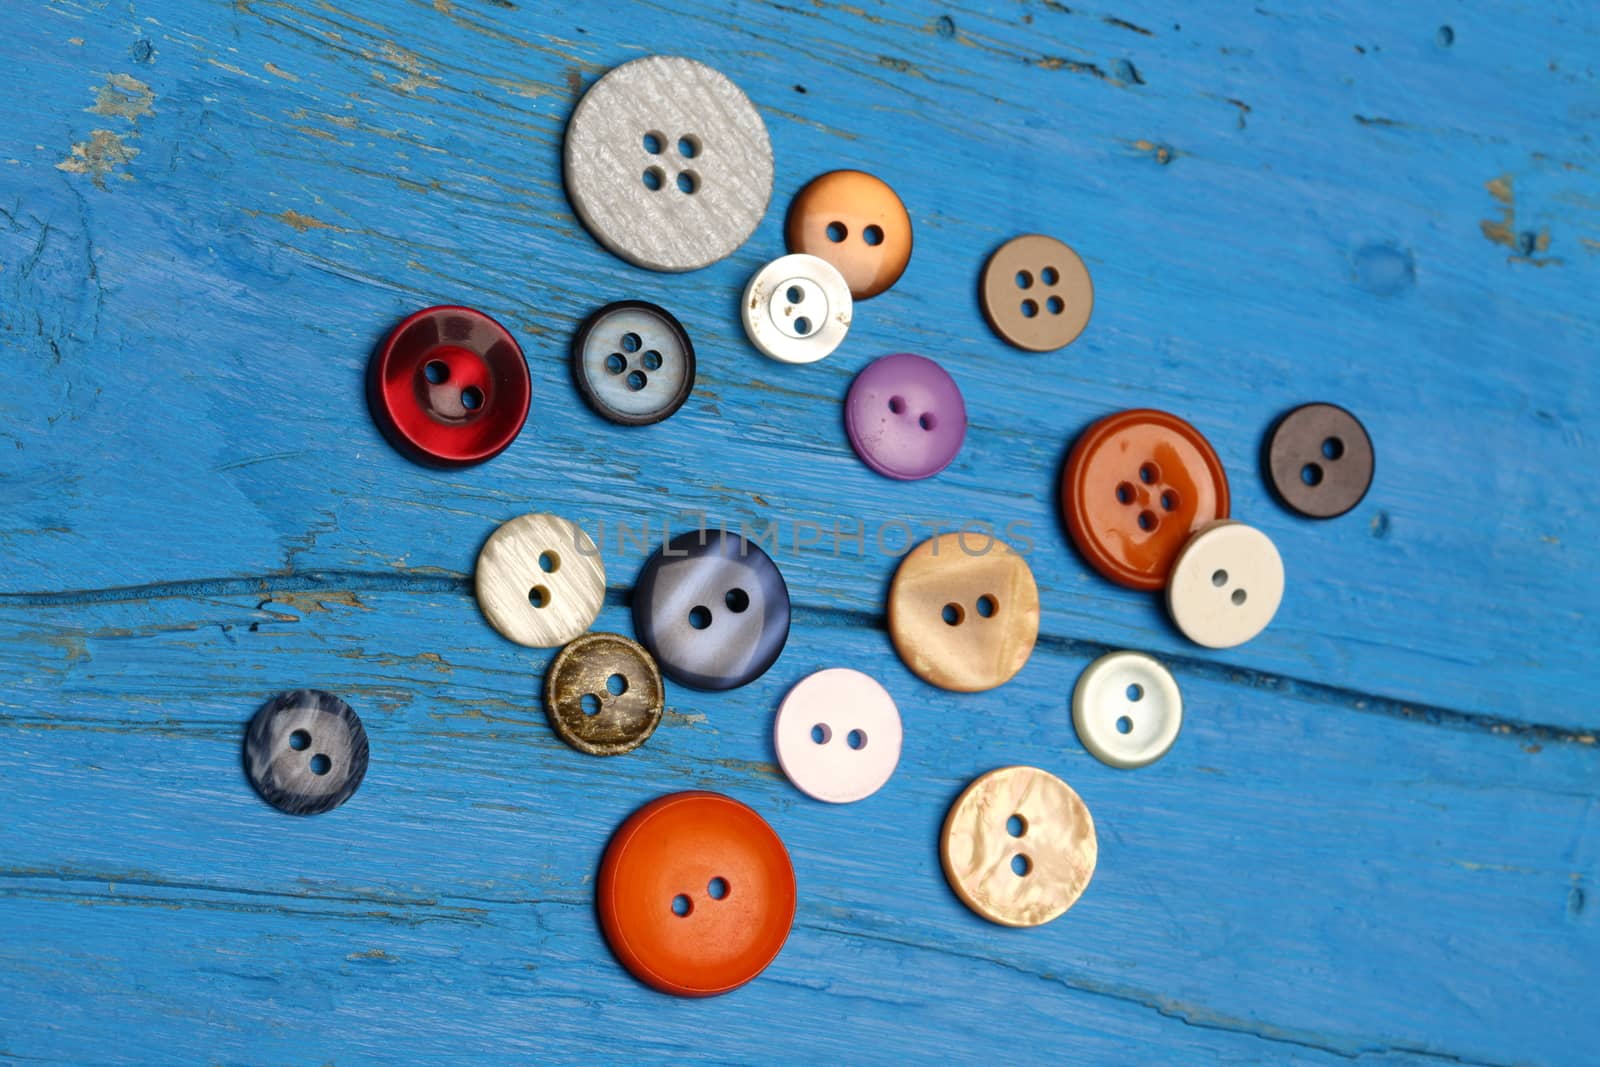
<point x="797" y="309"/>
<point x="1226" y="585"/>
<point x="668" y="163"/>
<point x="1127" y="709"/>
<point x="540" y="581"/>
<point x="838" y="735"/>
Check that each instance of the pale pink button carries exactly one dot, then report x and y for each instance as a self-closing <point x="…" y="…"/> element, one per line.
<point x="838" y="735"/>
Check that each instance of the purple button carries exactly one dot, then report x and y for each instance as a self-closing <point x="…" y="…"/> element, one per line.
<point x="905" y="417"/>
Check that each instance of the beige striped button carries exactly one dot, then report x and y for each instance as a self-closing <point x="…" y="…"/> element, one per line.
<point x="540" y="581"/>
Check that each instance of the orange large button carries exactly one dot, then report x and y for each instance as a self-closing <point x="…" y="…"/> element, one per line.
<point x="855" y="222"/>
<point x="1137" y="484"/>
<point x="696" y="894"/>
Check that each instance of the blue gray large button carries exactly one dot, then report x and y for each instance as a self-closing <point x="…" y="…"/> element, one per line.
<point x="713" y="609"/>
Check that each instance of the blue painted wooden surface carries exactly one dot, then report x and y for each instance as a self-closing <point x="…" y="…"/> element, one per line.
<point x="1378" y="837"/>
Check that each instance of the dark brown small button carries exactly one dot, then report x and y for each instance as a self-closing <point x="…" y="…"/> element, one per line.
<point x="1036" y="293"/>
<point x="1319" y="460"/>
<point x="603" y="694"/>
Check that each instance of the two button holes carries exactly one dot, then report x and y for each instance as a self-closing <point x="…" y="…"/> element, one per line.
<point x="1016" y="826"/>
<point x="822" y="734"/>
<point x="1219" y="578"/>
<point x="838" y="232"/>
<point x="797" y="296"/>
<point x="300" y="740"/>
<point x="1332" y="451"/>
<point x="539" y="595"/>
<point x="655" y="176"/>
<point x="1134" y="693"/>
<point x="954" y="614"/>
<point x="1149" y="474"/>
<point x="437" y="371"/>
<point x="716" y="889"/>
<point x="737" y="600"/>
<point x="617" y="362"/>
<point x="927" y="420"/>
<point x="616" y="685"/>
<point x="1049" y="277"/>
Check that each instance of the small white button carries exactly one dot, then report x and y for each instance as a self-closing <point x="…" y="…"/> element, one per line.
<point x="797" y="309"/>
<point x="838" y="735"/>
<point x="1226" y="585"/>
<point x="1127" y="709"/>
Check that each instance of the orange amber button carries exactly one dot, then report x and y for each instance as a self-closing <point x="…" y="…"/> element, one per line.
<point x="696" y="894"/>
<point x="1137" y="484"/>
<point x="855" y="222"/>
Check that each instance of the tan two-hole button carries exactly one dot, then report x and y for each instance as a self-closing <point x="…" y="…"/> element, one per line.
<point x="1036" y="293"/>
<point x="1018" y="846"/>
<point x="964" y="611"/>
<point x="540" y="581"/>
<point x="855" y="222"/>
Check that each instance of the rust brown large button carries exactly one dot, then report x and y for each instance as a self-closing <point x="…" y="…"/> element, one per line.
<point x="855" y="222"/>
<point x="1137" y="484"/>
<point x="603" y="694"/>
<point x="964" y="611"/>
<point x="1036" y="293"/>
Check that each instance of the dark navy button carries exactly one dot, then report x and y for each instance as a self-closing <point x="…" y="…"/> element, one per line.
<point x="633" y="363"/>
<point x="713" y="609"/>
<point x="305" y="752"/>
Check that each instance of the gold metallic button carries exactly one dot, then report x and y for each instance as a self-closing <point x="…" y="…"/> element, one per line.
<point x="1036" y="293"/>
<point x="1019" y="846"/>
<point x="964" y="611"/>
<point x="855" y="222"/>
<point x="603" y="694"/>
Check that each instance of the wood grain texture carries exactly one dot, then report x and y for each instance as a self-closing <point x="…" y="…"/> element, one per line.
<point x="1378" y="837"/>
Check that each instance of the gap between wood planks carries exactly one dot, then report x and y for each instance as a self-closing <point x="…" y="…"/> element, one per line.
<point x="444" y="582"/>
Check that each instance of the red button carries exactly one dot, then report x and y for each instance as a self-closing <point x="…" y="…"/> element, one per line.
<point x="696" y="894"/>
<point x="449" y="387"/>
<point x="1137" y="484"/>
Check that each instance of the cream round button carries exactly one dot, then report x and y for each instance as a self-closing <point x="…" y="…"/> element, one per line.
<point x="1226" y="585"/>
<point x="540" y="581"/>
<point x="1019" y="846"/>
<point x="1127" y="709"/>
<point x="797" y="309"/>
<point x="668" y="163"/>
<point x="838" y="735"/>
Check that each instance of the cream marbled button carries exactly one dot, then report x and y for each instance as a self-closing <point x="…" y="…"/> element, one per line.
<point x="1019" y="846"/>
<point x="540" y="581"/>
<point x="964" y="611"/>
<point x="1226" y="585"/>
<point x="838" y="735"/>
<point x="1127" y="709"/>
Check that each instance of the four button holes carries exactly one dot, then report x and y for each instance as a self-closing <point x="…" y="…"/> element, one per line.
<point x="617" y="362"/>
<point x="655" y="176"/>
<point x="1311" y="473"/>
<point x="1150" y="475"/>
<point x="300" y="740"/>
<point x="716" y="889"/>
<point x="1049" y="278"/>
